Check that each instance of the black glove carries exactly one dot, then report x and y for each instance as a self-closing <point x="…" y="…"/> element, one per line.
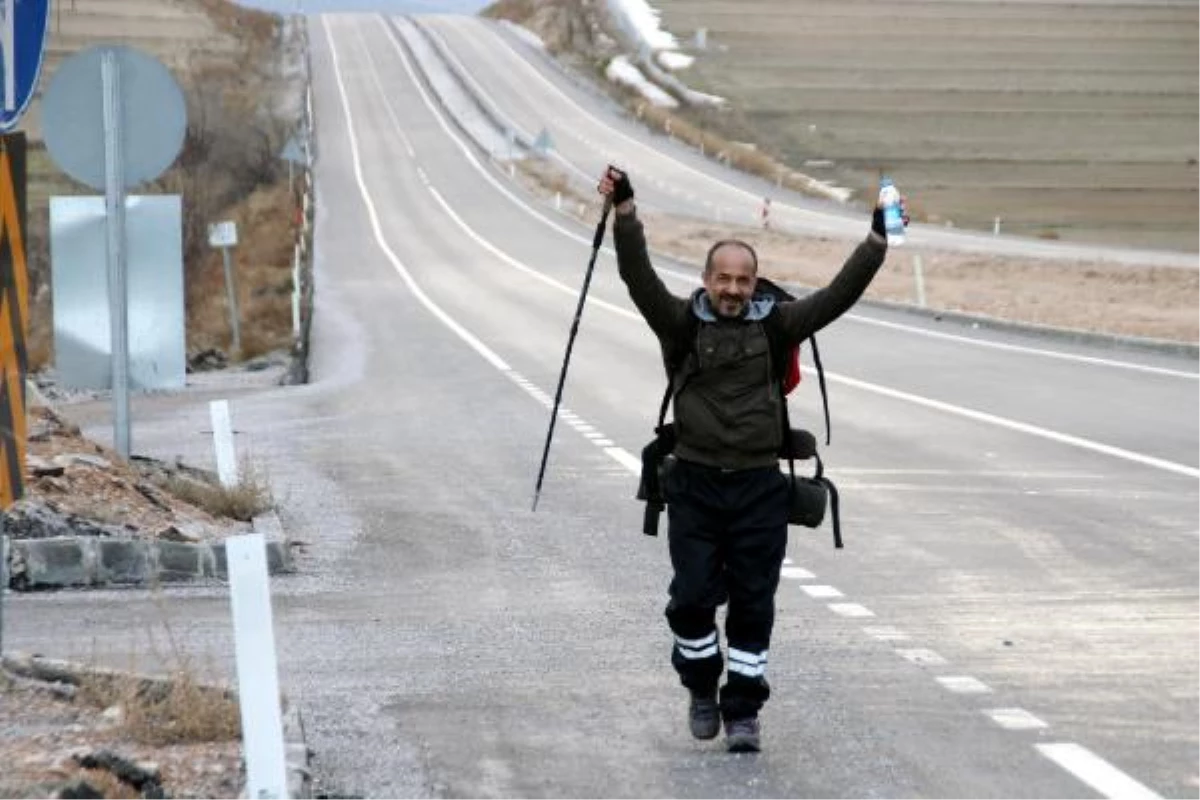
<point x="877" y="223"/>
<point x="622" y="188"/>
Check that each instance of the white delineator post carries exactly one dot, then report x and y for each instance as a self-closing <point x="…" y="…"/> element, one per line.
<point x="919" y="278"/>
<point x="222" y="429"/>
<point x="3" y="586"/>
<point x="257" y="672"/>
<point x="296" y="293"/>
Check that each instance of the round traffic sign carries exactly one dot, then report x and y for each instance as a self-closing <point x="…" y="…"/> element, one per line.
<point x="153" y="116"/>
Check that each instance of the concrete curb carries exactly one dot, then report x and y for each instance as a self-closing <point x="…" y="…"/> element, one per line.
<point x="297" y="754"/>
<point x="452" y="64"/>
<point x="80" y="561"/>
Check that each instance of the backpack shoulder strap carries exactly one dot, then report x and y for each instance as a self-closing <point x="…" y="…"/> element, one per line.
<point x="675" y="355"/>
<point x="780" y="352"/>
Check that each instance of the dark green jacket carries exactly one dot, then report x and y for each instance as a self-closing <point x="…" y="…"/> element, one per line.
<point x="727" y="411"/>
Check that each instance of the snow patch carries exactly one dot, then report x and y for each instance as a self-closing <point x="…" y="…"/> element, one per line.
<point x="671" y="60"/>
<point x="643" y="23"/>
<point x="621" y="70"/>
<point x="529" y="36"/>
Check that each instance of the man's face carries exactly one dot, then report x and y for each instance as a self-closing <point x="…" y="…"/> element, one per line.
<point x="730" y="280"/>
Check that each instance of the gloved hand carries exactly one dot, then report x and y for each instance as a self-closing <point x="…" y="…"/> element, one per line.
<point x="615" y="183"/>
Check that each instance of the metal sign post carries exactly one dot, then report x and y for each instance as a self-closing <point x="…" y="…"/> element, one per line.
<point x="224" y="236"/>
<point x="114" y="196"/>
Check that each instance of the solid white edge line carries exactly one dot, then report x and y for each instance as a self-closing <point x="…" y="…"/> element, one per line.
<point x="1023" y="427"/>
<point x="555" y="154"/>
<point x="1015" y="348"/>
<point x="475" y="344"/>
<point x="465" y="149"/>
<point x="1095" y="771"/>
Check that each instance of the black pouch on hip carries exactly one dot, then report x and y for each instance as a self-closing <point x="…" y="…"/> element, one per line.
<point x="650" y="490"/>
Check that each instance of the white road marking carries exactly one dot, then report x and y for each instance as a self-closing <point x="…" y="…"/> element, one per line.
<point x="1023" y="427"/>
<point x="921" y="656"/>
<point x="625" y="459"/>
<point x="796" y="573"/>
<point x="886" y="633"/>
<point x="1015" y="719"/>
<point x="465" y="149"/>
<point x="971" y="473"/>
<point x="963" y="684"/>
<point x="851" y="610"/>
<point x="787" y="562"/>
<point x="1089" y="768"/>
<point x="1095" y="771"/>
<point x="819" y="591"/>
<point x="1014" y="348"/>
<point x="605" y="443"/>
<point x="479" y="347"/>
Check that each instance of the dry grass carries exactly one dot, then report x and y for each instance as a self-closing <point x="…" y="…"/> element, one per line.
<point x="244" y="24"/>
<point x="182" y="709"/>
<point x="179" y="712"/>
<point x="262" y="265"/>
<point x="249" y="498"/>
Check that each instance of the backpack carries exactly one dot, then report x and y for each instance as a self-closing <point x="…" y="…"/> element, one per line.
<point x="809" y="496"/>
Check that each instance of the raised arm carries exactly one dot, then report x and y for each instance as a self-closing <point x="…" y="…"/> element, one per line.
<point x="663" y="311"/>
<point x="803" y="317"/>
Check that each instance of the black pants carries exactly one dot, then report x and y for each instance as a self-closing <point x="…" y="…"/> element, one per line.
<point x="727" y="536"/>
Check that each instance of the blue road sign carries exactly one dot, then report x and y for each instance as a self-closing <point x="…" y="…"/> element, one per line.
<point x="22" y="43"/>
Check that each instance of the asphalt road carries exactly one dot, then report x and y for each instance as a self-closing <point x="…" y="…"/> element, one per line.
<point x="1014" y="614"/>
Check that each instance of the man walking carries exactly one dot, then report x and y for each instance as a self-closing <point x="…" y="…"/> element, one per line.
<point x="727" y="499"/>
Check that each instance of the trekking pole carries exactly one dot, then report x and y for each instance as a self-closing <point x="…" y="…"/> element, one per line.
<point x="562" y="378"/>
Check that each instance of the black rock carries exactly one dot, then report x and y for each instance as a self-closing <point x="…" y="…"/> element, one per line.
<point x="79" y="789"/>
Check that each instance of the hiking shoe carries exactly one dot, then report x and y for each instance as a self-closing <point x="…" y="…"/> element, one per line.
<point x="704" y="716"/>
<point x="741" y="735"/>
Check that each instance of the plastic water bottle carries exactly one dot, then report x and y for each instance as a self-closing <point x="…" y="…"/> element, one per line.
<point x="893" y="222"/>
